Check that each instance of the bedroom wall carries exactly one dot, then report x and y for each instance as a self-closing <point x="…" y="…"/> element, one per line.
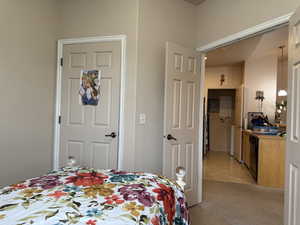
<point x="148" y="25"/>
<point x="27" y="68"/>
<point x="159" y="21"/>
<point x="217" y="19"/>
<point x="81" y="18"/>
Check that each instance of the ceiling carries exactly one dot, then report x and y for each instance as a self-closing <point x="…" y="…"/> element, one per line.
<point x="195" y="2"/>
<point x="260" y="45"/>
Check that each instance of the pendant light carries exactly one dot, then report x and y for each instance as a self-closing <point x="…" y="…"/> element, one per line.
<point x="282" y="92"/>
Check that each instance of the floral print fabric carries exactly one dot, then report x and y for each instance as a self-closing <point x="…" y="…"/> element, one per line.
<point x="93" y="197"/>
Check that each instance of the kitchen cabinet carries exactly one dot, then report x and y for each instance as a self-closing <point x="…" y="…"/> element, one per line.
<point x="271" y="162"/>
<point x="270" y="159"/>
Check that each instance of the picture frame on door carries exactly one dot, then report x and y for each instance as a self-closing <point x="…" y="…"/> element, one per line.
<point x="89" y="90"/>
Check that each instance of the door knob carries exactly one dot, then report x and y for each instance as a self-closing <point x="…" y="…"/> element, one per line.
<point x="170" y="137"/>
<point x="112" y="135"/>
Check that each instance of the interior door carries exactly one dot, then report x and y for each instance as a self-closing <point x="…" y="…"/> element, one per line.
<point x="88" y="132"/>
<point x="181" y="116"/>
<point x="238" y="118"/>
<point x="292" y="190"/>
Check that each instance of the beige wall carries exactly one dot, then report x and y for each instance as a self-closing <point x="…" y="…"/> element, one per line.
<point x="27" y="68"/>
<point x="148" y="25"/>
<point x="282" y="77"/>
<point x="81" y="18"/>
<point x="217" y="19"/>
<point x="29" y="60"/>
<point x="261" y="74"/>
<point x="159" y="21"/>
<point x="261" y="69"/>
<point x="233" y="76"/>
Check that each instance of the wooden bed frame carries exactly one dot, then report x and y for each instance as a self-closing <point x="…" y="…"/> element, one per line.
<point x="180" y="172"/>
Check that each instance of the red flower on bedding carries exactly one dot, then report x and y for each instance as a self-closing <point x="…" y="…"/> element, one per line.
<point x="57" y="194"/>
<point x="87" y="179"/>
<point x="91" y="222"/>
<point x="18" y="186"/>
<point x="113" y="199"/>
<point x="166" y="195"/>
<point x="155" y="220"/>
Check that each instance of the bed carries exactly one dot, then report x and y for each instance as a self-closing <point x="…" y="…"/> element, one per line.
<point x="81" y="196"/>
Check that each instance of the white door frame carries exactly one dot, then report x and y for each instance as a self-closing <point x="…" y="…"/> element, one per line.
<point x="201" y="113"/>
<point x="60" y="45"/>
<point x="250" y="32"/>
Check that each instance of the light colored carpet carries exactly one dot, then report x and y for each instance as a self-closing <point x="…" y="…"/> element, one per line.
<point x="238" y="204"/>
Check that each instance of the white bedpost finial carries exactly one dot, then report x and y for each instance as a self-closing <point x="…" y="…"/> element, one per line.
<point x="180" y="174"/>
<point x="71" y="161"/>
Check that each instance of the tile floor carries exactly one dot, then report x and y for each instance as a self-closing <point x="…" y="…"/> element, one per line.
<point x="219" y="166"/>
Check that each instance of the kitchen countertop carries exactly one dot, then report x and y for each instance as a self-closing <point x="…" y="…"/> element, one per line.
<point x="261" y="136"/>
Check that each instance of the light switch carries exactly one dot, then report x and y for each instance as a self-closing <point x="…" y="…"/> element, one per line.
<point x="142" y="118"/>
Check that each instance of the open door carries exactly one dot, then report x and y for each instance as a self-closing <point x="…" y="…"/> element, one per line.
<point x="181" y="117"/>
<point x="238" y="122"/>
<point x="292" y="190"/>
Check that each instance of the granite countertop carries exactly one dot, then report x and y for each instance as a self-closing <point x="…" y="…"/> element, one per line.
<point x="261" y="136"/>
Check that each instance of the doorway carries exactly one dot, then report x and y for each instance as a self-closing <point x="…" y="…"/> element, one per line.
<point x="220" y="119"/>
<point x="247" y="57"/>
<point x="221" y="162"/>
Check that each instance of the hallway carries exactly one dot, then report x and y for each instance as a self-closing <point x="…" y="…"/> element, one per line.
<point x="219" y="166"/>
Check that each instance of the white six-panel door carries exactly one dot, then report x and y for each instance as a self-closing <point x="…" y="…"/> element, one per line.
<point x="292" y="192"/>
<point x="181" y="116"/>
<point x="84" y="128"/>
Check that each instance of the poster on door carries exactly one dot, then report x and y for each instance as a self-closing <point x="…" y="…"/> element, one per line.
<point x="89" y="91"/>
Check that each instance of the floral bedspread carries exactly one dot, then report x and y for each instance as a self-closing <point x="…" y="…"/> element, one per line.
<point x="93" y="197"/>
